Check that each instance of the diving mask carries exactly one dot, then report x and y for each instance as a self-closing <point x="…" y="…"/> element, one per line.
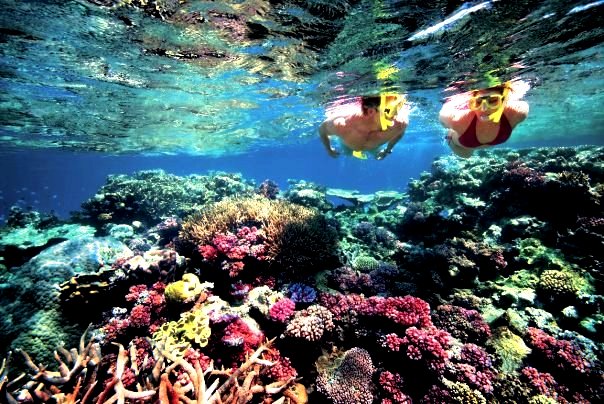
<point x="492" y="101"/>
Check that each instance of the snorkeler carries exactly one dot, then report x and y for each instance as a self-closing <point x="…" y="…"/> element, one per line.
<point x="366" y="126"/>
<point x="483" y="118"/>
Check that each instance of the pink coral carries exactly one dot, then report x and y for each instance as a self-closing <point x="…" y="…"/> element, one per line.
<point x="234" y="248"/>
<point x="428" y="345"/>
<point x="543" y="383"/>
<point x="208" y="252"/>
<point x="391" y="384"/>
<point x="282" y="310"/>
<point x="564" y="354"/>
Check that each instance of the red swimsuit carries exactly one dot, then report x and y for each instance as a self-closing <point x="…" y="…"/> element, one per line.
<point x="470" y="140"/>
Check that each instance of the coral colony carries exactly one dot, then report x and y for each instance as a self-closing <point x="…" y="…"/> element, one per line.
<point x="480" y="284"/>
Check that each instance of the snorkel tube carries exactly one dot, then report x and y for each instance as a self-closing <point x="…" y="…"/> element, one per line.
<point x="389" y="109"/>
<point x="496" y="116"/>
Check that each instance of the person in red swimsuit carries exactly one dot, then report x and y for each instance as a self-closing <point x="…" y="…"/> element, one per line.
<point x="485" y="118"/>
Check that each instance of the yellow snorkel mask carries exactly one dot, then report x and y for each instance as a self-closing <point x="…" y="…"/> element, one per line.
<point x="390" y="105"/>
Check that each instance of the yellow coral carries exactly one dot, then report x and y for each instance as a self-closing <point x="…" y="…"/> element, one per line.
<point x="192" y="328"/>
<point x="510" y="348"/>
<point x="185" y="290"/>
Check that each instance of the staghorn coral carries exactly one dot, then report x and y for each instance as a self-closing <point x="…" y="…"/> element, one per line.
<point x="295" y="236"/>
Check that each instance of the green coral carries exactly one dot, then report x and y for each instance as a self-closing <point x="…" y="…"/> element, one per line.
<point x="365" y="263"/>
<point x="535" y="253"/>
<point x="150" y="196"/>
<point x="510" y="348"/>
<point x="192" y="328"/>
<point x="541" y="399"/>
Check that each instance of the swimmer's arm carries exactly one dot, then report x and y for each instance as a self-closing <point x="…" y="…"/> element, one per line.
<point x="325" y="129"/>
<point x="450" y="115"/>
<point x="399" y="129"/>
<point x="516" y="112"/>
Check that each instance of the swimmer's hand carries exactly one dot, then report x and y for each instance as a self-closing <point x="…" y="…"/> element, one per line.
<point x="333" y="152"/>
<point x="381" y="155"/>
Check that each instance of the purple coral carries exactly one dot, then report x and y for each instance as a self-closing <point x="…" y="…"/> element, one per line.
<point x="269" y="189"/>
<point x="350" y="382"/>
<point x="300" y="293"/>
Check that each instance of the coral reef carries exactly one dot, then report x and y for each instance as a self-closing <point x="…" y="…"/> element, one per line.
<point x="480" y="284"/>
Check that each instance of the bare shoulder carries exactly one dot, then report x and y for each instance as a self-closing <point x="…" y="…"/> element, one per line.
<point x="332" y="123"/>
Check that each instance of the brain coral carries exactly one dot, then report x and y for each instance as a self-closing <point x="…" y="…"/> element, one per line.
<point x="296" y="237"/>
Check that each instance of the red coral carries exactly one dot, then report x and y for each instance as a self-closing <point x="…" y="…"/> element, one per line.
<point x="239" y="335"/>
<point x="208" y="252"/>
<point x="282" y="370"/>
<point x="406" y="311"/>
<point x="140" y="316"/>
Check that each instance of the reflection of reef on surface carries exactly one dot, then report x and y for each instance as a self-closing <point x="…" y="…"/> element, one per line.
<point x="481" y="284"/>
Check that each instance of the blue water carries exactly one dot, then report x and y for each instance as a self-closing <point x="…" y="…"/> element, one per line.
<point x="62" y="180"/>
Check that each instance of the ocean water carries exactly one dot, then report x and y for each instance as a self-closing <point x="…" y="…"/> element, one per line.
<point x="94" y="89"/>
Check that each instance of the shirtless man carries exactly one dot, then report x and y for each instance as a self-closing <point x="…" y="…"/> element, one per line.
<point x="379" y="120"/>
<point x="486" y="119"/>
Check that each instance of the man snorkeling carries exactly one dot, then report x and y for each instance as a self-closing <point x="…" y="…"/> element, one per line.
<point x="363" y="128"/>
<point x="483" y="118"/>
